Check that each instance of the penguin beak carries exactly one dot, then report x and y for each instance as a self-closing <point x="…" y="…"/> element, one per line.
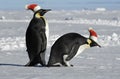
<point x="43" y="11"/>
<point x="98" y="45"/>
<point x="46" y="10"/>
<point x="94" y="44"/>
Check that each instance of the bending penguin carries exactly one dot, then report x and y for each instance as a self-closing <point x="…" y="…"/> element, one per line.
<point x="70" y="45"/>
<point x="36" y="36"/>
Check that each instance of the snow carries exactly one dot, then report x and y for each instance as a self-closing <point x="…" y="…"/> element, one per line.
<point x="93" y="63"/>
<point x="100" y="9"/>
<point x="9" y="43"/>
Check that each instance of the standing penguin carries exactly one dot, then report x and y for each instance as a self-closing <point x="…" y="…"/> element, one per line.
<point x="36" y="39"/>
<point x="69" y="46"/>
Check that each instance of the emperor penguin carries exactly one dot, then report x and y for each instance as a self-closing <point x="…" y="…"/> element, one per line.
<point x="36" y="36"/>
<point x="70" y="45"/>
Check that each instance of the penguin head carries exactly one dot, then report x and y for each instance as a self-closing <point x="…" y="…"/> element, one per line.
<point x="43" y="11"/>
<point x="37" y="9"/>
<point x="40" y="13"/>
<point x="92" y="40"/>
<point x="92" y="43"/>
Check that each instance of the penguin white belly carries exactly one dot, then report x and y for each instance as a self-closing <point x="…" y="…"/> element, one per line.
<point x="47" y="30"/>
<point x="82" y="48"/>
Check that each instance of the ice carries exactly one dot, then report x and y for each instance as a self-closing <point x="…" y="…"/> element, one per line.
<point x="87" y="21"/>
<point x="18" y="43"/>
<point x="2" y="18"/>
<point x="10" y="44"/>
<point x="113" y="40"/>
<point x="118" y="59"/>
<point x="100" y="9"/>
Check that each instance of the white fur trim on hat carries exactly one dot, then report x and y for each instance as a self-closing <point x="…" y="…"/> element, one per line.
<point x="94" y="38"/>
<point x="37" y="8"/>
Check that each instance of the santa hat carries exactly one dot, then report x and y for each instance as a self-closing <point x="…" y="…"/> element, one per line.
<point x="33" y="7"/>
<point x="93" y="34"/>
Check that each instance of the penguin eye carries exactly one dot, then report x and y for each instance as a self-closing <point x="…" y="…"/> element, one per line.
<point x="37" y="15"/>
<point x="89" y="41"/>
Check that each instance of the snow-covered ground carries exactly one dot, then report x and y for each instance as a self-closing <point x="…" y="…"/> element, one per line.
<point x="93" y="63"/>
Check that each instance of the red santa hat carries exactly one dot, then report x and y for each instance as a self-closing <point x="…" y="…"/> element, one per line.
<point x="93" y="35"/>
<point x="33" y="7"/>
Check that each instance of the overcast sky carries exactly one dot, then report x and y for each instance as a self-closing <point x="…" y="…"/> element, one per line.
<point x="59" y="4"/>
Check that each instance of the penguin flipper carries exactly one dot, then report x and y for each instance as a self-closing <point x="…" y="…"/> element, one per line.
<point x="44" y="41"/>
<point x="40" y="34"/>
<point x="73" y="52"/>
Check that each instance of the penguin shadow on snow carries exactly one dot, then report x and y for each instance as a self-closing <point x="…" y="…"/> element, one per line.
<point x="4" y="64"/>
<point x="17" y="65"/>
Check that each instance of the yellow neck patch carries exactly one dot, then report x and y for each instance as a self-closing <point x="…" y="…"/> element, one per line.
<point x="89" y="41"/>
<point x="37" y="15"/>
